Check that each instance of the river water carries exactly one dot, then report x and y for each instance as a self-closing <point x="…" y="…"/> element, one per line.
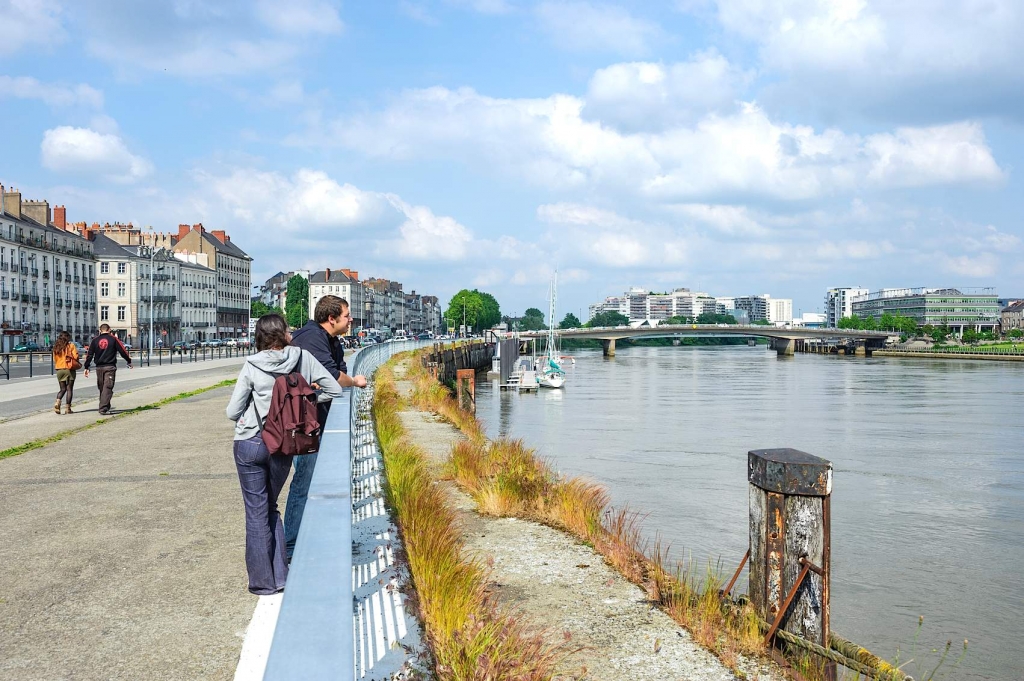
<point x="928" y="491"/>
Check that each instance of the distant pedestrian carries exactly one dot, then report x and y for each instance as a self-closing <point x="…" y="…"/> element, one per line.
<point x="331" y="318"/>
<point x="261" y="474"/>
<point x="104" y="350"/>
<point x="65" y="361"/>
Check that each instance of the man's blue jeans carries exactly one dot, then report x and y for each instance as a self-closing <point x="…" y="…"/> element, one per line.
<point x="297" y="495"/>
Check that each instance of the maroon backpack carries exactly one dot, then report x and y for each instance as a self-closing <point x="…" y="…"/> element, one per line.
<point x="291" y="426"/>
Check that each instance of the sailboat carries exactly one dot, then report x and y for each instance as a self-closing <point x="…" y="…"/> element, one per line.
<point x="549" y="372"/>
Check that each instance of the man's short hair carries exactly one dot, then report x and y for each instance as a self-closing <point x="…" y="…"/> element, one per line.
<point x="104" y="328"/>
<point x="329" y="306"/>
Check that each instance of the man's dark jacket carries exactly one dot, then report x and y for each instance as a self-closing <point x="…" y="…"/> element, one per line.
<point x="328" y="351"/>
<point x="103" y="351"/>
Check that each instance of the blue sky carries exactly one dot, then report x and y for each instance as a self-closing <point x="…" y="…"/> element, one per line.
<point x="735" y="146"/>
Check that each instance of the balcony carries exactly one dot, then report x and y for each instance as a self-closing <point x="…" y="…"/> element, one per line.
<point x="92" y="306"/>
<point x="34" y="271"/>
<point x="34" y="298"/>
<point x="67" y="303"/>
<point x="78" y="279"/>
<point x="4" y="295"/>
<point x="92" y="281"/>
<point x="46" y="274"/>
<point x="161" y="277"/>
<point x="3" y="266"/>
<point x="164" y="299"/>
<point x="60" y="302"/>
<point x="24" y="269"/>
<point x="47" y="328"/>
<point x="78" y="305"/>
<point x="46" y="301"/>
<point x="58" y="276"/>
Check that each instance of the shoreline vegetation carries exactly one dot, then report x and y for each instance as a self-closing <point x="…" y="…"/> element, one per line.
<point x="471" y="635"/>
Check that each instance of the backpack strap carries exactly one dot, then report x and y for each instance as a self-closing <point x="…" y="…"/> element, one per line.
<point x="276" y="375"/>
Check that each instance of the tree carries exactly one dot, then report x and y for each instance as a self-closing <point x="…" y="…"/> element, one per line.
<point x="714" y="318"/>
<point x="258" y="308"/>
<point x="570" y="321"/>
<point x="296" y="307"/>
<point x="533" y="320"/>
<point x="1015" y="333"/>
<point x="465" y="306"/>
<point x="609" y="318"/>
<point x="491" y="313"/>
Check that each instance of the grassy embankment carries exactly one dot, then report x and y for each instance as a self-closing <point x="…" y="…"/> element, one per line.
<point x="470" y="634"/>
<point x="508" y="479"/>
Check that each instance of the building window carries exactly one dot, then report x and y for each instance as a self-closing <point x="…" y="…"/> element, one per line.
<point x="104" y="313"/>
<point x="121" y="288"/>
<point x="104" y="268"/>
<point x="121" y="312"/>
<point x="104" y="289"/>
<point x="122" y="268"/>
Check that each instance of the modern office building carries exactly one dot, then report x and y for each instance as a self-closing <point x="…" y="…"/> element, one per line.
<point x="839" y="303"/>
<point x="956" y="308"/>
<point x="780" y="311"/>
<point x="47" y="275"/>
<point x="756" y="307"/>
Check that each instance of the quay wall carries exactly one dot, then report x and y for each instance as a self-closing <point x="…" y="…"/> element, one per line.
<point x="949" y="355"/>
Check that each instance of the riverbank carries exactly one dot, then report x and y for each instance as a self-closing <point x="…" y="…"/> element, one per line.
<point x="940" y="354"/>
<point x="595" y="623"/>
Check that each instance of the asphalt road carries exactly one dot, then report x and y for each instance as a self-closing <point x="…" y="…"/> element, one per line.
<point x="123" y="549"/>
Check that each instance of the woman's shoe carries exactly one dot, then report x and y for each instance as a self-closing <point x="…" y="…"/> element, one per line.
<point x="67" y="410"/>
<point x="56" y="407"/>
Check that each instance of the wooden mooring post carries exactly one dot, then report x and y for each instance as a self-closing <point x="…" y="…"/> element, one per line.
<point x="465" y="389"/>
<point x="790" y="499"/>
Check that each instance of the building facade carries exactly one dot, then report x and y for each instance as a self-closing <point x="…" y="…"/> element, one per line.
<point x="47" y="275"/>
<point x="343" y="283"/>
<point x="756" y="307"/>
<point x="197" y="290"/>
<point x="839" y="303"/>
<point x="957" y="309"/>
<point x="234" y="274"/>
<point x="1012" y="316"/>
<point x="780" y="311"/>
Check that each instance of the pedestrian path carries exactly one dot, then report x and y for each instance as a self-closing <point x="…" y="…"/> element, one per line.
<point x="123" y="548"/>
<point x="127" y="396"/>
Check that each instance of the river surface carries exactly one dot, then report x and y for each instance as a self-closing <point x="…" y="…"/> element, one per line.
<point x="928" y="491"/>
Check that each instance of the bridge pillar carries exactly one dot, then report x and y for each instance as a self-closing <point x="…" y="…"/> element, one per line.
<point x="860" y="349"/>
<point x="608" y="345"/>
<point x="785" y="346"/>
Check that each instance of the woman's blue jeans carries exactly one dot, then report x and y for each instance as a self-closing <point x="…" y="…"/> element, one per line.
<point x="262" y="477"/>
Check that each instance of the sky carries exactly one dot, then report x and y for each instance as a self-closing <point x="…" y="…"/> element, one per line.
<point x="731" y="146"/>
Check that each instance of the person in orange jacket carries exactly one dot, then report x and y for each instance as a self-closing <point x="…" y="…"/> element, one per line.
<point x="65" y="361"/>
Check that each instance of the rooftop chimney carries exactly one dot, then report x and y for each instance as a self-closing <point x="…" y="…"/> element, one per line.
<point x="12" y="203"/>
<point x="199" y="227"/>
<point x="183" y="231"/>
<point x="39" y="211"/>
<point x="328" y="277"/>
<point x="60" y="217"/>
<point x="220" y="235"/>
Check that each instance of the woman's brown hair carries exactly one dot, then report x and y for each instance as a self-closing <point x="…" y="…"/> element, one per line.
<point x="60" y="346"/>
<point x="271" y="332"/>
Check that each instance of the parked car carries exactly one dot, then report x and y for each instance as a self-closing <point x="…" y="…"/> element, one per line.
<point x="231" y="343"/>
<point x="180" y="347"/>
<point x="215" y="343"/>
<point x="26" y="347"/>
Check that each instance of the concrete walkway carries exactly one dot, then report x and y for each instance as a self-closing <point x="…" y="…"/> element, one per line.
<point x="123" y="546"/>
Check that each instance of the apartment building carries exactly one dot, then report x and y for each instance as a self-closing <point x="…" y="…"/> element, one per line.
<point x="780" y="311"/>
<point x="47" y="275"/>
<point x="839" y="303"/>
<point x="234" y="274"/>
<point x="343" y="283"/>
<point x="197" y="291"/>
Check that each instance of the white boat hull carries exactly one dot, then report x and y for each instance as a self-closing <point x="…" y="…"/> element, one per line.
<point x="552" y="380"/>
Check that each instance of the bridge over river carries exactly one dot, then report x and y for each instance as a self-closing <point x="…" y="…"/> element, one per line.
<point x="784" y="339"/>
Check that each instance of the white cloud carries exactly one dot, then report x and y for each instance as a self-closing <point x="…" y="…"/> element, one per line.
<point x="650" y="96"/>
<point x="484" y="6"/>
<point x="56" y="95"/>
<point x="982" y="265"/>
<point x="417" y="12"/>
<point x="300" y="17"/>
<point x="729" y="220"/>
<point x="588" y="26"/>
<point x="35" y="23"/>
<point x="425" y="236"/>
<point x="311" y="206"/>
<point x="743" y="153"/>
<point x="85" y="151"/>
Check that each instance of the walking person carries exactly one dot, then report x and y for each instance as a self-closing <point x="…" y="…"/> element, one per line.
<point x="65" y="361"/>
<point x="261" y="474"/>
<point x="104" y="350"/>
<point x="319" y="336"/>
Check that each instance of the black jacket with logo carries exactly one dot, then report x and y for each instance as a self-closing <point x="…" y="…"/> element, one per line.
<point x="103" y="351"/>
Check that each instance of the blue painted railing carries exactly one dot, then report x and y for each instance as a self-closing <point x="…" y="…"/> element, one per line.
<point x="315" y="637"/>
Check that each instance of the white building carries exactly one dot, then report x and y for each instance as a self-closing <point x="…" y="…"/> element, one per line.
<point x="839" y="303"/>
<point x="343" y="283"/>
<point x="780" y="311"/>
<point x="47" y="275"/>
<point x="197" y="286"/>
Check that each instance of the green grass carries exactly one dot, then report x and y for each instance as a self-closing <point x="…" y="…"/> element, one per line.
<point x="44" y="441"/>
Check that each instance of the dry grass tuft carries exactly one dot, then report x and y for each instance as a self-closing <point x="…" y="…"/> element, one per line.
<point x="472" y="638"/>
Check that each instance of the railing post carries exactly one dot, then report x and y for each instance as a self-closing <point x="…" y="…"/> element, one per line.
<point x="465" y="387"/>
<point x="790" y="498"/>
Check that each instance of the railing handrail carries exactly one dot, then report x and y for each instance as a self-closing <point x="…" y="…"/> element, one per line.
<point x="313" y="638"/>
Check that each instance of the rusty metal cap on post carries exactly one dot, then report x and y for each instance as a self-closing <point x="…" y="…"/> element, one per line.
<point x="789" y="471"/>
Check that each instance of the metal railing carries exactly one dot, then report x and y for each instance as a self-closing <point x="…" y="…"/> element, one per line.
<point x="957" y="350"/>
<point x="316" y="637"/>
<point x="40" y="363"/>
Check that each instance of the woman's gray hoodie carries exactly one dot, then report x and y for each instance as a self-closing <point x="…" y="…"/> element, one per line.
<point x="255" y="381"/>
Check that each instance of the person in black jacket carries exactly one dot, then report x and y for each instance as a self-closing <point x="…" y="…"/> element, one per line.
<point x="331" y="318"/>
<point x="104" y="350"/>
